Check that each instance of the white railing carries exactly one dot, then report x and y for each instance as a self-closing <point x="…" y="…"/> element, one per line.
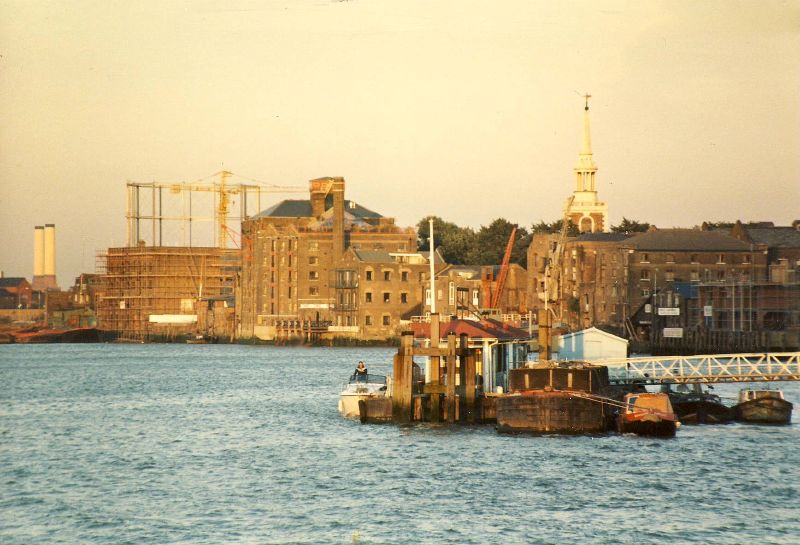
<point x="764" y="367"/>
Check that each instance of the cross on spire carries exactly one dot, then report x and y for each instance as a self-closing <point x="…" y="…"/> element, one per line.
<point x="587" y="96"/>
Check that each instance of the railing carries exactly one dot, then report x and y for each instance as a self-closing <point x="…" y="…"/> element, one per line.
<point x="763" y="367"/>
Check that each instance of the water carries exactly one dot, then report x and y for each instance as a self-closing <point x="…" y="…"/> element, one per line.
<point x="205" y="444"/>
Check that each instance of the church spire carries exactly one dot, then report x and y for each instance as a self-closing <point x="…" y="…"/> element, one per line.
<point x="584" y="209"/>
<point x="586" y="169"/>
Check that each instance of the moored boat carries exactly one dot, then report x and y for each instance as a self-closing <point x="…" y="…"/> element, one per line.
<point x="554" y="398"/>
<point x="648" y="414"/>
<point x="360" y="387"/>
<point x="763" y="407"/>
<point x="698" y="406"/>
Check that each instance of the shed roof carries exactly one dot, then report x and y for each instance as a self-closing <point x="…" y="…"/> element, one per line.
<point x="485" y="329"/>
<point x="594" y="330"/>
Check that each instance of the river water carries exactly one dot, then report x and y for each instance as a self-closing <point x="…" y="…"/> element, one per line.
<point x="207" y="444"/>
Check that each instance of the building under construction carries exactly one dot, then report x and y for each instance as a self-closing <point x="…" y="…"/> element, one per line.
<point x="162" y="285"/>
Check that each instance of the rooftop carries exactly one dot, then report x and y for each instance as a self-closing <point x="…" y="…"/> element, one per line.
<point x="686" y="240"/>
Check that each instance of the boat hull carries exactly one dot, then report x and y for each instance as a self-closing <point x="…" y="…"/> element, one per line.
<point x="701" y="411"/>
<point x="655" y="427"/>
<point x="348" y="403"/>
<point x="764" y="411"/>
<point x="550" y="412"/>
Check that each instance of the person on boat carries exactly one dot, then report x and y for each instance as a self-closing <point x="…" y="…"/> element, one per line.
<point x="361" y="372"/>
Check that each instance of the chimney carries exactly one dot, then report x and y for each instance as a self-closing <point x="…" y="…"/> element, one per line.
<point x="337" y="189"/>
<point x="48" y="256"/>
<point x="38" y="258"/>
<point x="319" y="190"/>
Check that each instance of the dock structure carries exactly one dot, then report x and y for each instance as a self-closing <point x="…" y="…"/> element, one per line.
<point x="758" y="367"/>
<point x="449" y="395"/>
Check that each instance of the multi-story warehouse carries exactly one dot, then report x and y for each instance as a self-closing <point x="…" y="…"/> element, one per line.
<point x="291" y="255"/>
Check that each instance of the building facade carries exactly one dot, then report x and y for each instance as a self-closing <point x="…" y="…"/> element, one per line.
<point x="289" y="283"/>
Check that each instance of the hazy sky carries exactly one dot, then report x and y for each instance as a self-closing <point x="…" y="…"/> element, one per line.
<point x="464" y="109"/>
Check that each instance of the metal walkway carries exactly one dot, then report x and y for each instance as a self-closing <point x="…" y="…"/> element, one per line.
<point x="764" y="367"/>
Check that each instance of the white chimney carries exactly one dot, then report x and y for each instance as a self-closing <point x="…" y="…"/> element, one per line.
<point x="50" y="250"/>
<point x="38" y="251"/>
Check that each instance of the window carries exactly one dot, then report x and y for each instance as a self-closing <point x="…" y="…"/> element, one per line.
<point x="720" y="275"/>
<point x="368" y="297"/>
<point x="386" y="319"/>
<point x="369" y="275"/>
<point x="404" y="276"/>
<point x="290" y="292"/>
<point x="313" y="246"/>
<point x="669" y="276"/>
<point x="428" y="296"/>
<point x="720" y="258"/>
<point x="476" y="297"/>
<point x="694" y="276"/>
<point x="387" y="275"/>
<point x="313" y="290"/>
<point x="404" y="297"/>
<point x="747" y="259"/>
<point x="693" y="258"/>
<point x="451" y="293"/>
<point x="367" y="320"/>
<point x="670" y="258"/>
<point x="386" y="297"/>
<point x="421" y="277"/>
<point x="313" y="275"/>
<point x="645" y="258"/>
<point x="644" y="275"/>
<point x="313" y="260"/>
<point x="645" y="292"/>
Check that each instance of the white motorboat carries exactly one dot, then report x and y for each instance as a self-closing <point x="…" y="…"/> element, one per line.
<point x="360" y="387"/>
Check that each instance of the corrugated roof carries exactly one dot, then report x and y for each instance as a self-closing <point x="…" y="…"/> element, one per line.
<point x="485" y="329"/>
<point x="686" y="240"/>
<point x="775" y="237"/>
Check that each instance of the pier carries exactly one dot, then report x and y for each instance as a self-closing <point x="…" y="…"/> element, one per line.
<point x="757" y="367"/>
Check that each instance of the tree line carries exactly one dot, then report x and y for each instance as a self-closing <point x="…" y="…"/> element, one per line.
<point x="487" y="245"/>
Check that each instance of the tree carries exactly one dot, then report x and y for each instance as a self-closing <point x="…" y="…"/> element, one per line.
<point x="455" y="243"/>
<point x="492" y="240"/>
<point x="630" y="226"/>
<point x="554" y="227"/>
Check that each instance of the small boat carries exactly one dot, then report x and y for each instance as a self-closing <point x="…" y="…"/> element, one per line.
<point x="360" y="387"/>
<point x="698" y="406"/>
<point x="197" y="339"/>
<point x="648" y="414"/>
<point x="763" y="406"/>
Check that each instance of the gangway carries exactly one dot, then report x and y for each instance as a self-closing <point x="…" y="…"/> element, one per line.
<point x="762" y="367"/>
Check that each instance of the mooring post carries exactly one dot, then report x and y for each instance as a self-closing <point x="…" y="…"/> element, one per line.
<point x="402" y="379"/>
<point x="450" y="391"/>
<point x="435" y="371"/>
<point x="467" y="380"/>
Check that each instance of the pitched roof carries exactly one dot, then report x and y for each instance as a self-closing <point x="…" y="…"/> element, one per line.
<point x="603" y="237"/>
<point x="11" y="281"/>
<point x="299" y="208"/>
<point x="686" y="239"/>
<point x="290" y="208"/>
<point x="774" y="237"/>
<point x="485" y="329"/>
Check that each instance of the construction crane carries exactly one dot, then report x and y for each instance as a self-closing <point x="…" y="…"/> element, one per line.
<point x="551" y="294"/>
<point x="223" y="189"/>
<point x="503" y="274"/>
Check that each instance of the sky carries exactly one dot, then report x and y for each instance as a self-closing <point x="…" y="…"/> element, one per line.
<point x="468" y="110"/>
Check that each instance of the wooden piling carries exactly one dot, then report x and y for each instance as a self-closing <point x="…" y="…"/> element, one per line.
<point x="450" y="386"/>
<point x="467" y="410"/>
<point x="402" y="382"/>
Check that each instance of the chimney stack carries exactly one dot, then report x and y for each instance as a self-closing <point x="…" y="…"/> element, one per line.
<point x="337" y="189"/>
<point x="44" y="257"/>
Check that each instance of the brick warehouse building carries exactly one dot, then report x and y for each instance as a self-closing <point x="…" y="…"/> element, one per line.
<point x="290" y="259"/>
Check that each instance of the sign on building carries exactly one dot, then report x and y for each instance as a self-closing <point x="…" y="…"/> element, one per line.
<point x="707" y="311"/>
<point x="669" y="311"/>
<point x="673" y="332"/>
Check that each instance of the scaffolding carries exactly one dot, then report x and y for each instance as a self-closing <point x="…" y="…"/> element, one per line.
<point x="142" y="282"/>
